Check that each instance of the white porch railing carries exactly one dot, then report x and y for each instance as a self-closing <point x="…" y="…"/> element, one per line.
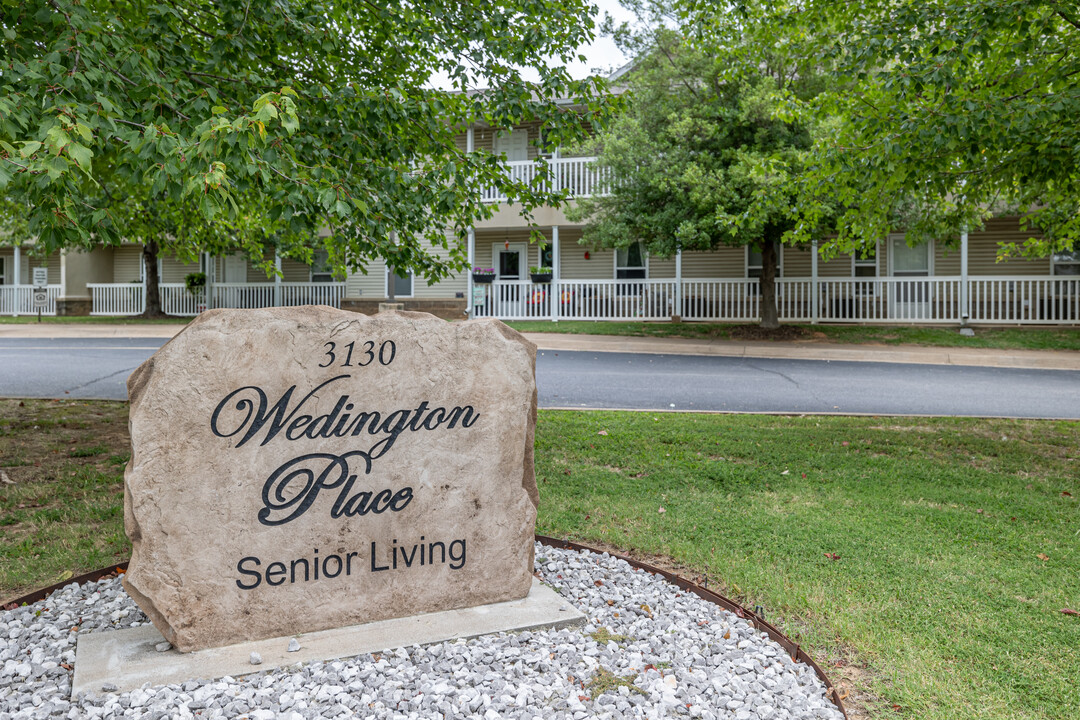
<point x="20" y="300"/>
<point x="176" y="300"/>
<point x="580" y="177"/>
<point x="116" y="298"/>
<point x="1020" y="300"/>
<point x="129" y="299"/>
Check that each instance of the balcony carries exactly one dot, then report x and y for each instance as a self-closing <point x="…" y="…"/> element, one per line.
<point x="579" y="176"/>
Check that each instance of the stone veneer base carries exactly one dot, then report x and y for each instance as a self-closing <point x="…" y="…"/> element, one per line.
<point x="128" y="658"/>
<point x="446" y="308"/>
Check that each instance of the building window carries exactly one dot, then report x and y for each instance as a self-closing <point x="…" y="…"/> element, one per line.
<point x="547" y="256"/>
<point x="1066" y="263"/>
<point x="630" y="262"/>
<point x="755" y="263"/>
<point x="321" y="272"/>
<point x="865" y="267"/>
<point x="403" y="284"/>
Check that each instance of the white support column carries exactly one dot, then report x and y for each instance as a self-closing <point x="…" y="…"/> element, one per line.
<point x="472" y="263"/>
<point x="209" y="287"/>
<point x="678" y="284"/>
<point x="554" y="290"/>
<point x="815" y="309"/>
<point x="18" y="278"/>
<point x="965" y="309"/>
<point x="470" y="139"/>
<point x="277" y="278"/>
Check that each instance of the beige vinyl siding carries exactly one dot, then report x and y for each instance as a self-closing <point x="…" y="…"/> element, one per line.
<point x="983" y="250"/>
<point x="174" y="271"/>
<point x="446" y="288"/>
<point x="725" y="262"/>
<point x="292" y="271"/>
<point x="797" y="262"/>
<point x="127" y="265"/>
<point x="25" y="264"/>
<point x="53" y="263"/>
<point x="373" y="284"/>
<point x="947" y="259"/>
<point x="661" y="268"/>
<point x="368" y="285"/>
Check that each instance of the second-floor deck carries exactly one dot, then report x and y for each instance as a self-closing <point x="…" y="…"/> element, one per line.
<point x="579" y="177"/>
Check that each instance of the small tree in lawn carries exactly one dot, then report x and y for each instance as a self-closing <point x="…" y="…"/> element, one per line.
<point x="232" y="124"/>
<point x="701" y="159"/>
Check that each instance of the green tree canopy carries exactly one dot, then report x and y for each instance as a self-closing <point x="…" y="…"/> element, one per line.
<point x="700" y="157"/>
<point x="943" y="112"/>
<point x="195" y="124"/>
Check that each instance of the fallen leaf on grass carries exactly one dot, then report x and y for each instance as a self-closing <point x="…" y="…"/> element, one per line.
<point x="661" y="510"/>
<point x="1069" y="611"/>
<point x="832" y="556"/>
<point x="602" y="432"/>
<point x="785" y="472"/>
<point x="1066" y="493"/>
<point x="1043" y="557"/>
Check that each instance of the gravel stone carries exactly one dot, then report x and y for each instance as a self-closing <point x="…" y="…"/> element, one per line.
<point x="681" y="657"/>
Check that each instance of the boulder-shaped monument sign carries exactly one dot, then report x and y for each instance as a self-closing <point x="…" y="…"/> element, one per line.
<point x="301" y="469"/>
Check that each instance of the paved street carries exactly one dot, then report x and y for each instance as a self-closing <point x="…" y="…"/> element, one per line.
<point x="98" y="368"/>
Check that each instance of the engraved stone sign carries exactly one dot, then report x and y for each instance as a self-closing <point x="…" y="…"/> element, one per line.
<point x="299" y="469"/>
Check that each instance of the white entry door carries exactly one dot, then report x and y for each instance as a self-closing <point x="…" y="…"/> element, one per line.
<point x="515" y="145"/>
<point x="510" y="262"/>
<point x="911" y="299"/>
<point x="235" y="269"/>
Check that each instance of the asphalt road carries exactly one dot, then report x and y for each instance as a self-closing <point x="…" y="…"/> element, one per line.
<point x="98" y="368"/>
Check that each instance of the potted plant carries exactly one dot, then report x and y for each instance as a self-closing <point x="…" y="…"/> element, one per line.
<point x="483" y="275"/>
<point x="541" y="274"/>
<point x="195" y="283"/>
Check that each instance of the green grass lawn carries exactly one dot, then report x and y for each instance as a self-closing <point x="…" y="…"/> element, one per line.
<point x="956" y="542"/>
<point x="1030" y="338"/>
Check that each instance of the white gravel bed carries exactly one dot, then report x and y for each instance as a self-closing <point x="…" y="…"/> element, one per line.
<point x="648" y="651"/>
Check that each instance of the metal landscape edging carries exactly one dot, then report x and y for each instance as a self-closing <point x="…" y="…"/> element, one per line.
<point x="793" y="649"/>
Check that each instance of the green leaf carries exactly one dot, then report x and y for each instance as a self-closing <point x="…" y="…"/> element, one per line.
<point x="81" y="155"/>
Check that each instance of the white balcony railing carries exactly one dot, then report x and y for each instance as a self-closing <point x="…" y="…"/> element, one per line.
<point x="579" y="177"/>
<point x="20" y="300"/>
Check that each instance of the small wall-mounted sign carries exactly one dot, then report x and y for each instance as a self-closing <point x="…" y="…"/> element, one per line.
<point x="41" y="277"/>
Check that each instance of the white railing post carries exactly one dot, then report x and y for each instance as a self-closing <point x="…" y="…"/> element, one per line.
<point x="678" y="284"/>
<point x="964" y="308"/>
<point x="553" y="293"/>
<point x="469" y="305"/>
<point x="211" y="267"/>
<point x="814" y="305"/>
<point x="18" y="279"/>
<point x="277" y="278"/>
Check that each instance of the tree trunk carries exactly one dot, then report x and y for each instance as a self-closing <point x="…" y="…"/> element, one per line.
<point x="769" y="317"/>
<point x="153" y="280"/>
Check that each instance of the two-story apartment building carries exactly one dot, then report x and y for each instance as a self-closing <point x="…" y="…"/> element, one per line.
<point x="930" y="283"/>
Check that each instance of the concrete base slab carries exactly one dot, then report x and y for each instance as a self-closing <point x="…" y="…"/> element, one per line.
<point x="128" y="658"/>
